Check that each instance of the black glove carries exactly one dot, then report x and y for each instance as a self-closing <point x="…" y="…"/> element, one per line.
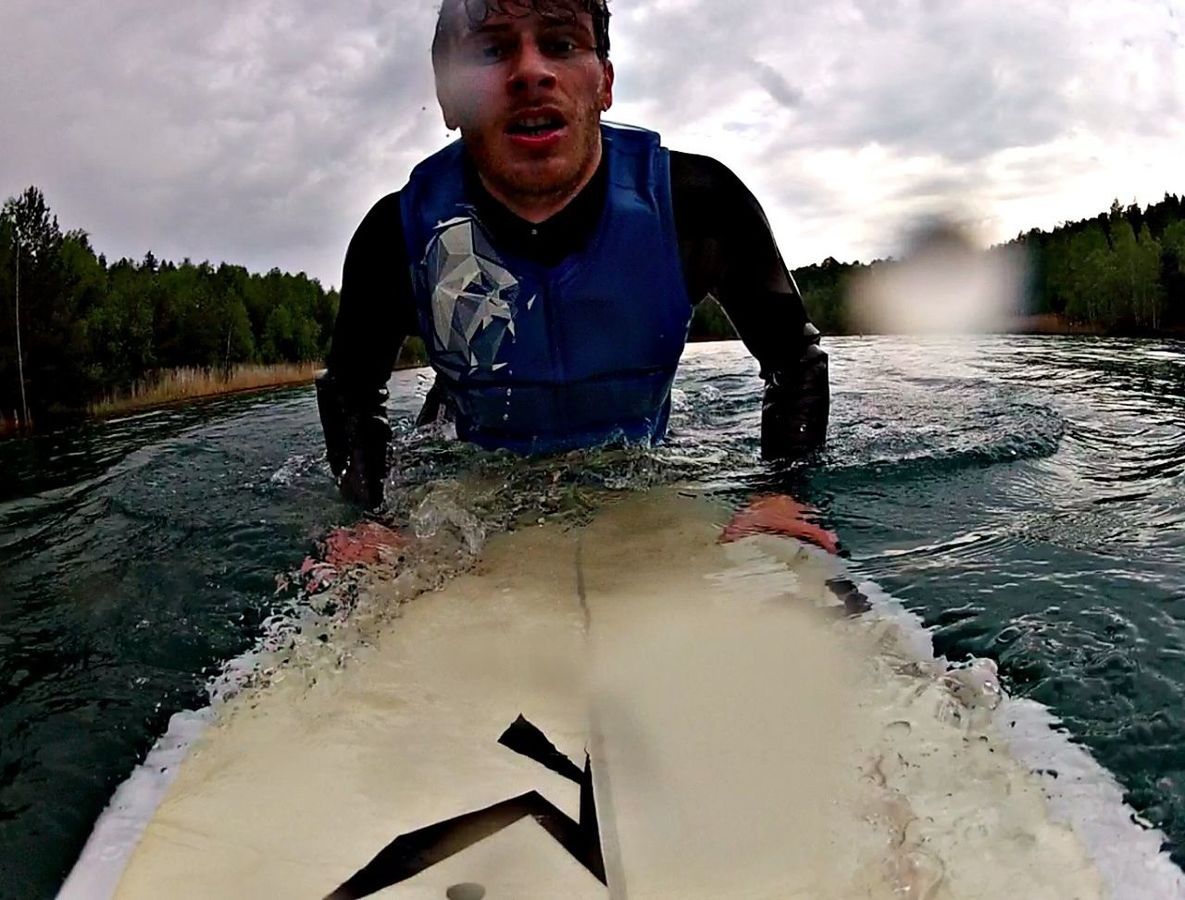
<point x="436" y="407"/>
<point x="795" y="407"/>
<point x="357" y="434"/>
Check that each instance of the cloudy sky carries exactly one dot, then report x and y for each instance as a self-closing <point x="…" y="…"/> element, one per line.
<point x="260" y="131"/>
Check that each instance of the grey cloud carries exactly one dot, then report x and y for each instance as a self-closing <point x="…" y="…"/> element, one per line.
<point x="776" y="85"/>
<point x="260" y="131"/>
<point x="256" y="133"/>
<point x="879" y="13"/>
<point x="945" y="184"/>
<point x="742" y="127"/>
<point x="962" y="85"/>
<point x="961" y="80"/>
<point x="948" y="85"/>
<point x="683" y="60"/>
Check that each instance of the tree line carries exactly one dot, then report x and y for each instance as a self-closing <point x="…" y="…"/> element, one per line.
<point x="88" y="327"/>
<point x="1122" y="272"/>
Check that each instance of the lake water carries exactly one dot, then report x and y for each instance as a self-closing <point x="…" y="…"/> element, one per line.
<point x="1025" y="496"/>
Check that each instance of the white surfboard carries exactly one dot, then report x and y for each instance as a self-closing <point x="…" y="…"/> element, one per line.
<point x="697" y="720"/>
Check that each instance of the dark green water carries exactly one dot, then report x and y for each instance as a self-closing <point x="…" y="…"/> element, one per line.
<point x="1026" y="496"/>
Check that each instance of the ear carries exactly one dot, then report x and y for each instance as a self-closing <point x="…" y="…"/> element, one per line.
<point x="607" y="87"/>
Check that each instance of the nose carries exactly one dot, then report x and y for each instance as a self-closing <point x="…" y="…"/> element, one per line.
<point x="532" y="69"/>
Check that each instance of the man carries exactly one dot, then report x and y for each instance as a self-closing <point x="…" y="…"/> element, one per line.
<point x="551" y="262"/>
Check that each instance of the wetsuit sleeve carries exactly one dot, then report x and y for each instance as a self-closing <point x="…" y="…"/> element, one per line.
<point x="728" y="252"/>
<point x="376" y="313"/>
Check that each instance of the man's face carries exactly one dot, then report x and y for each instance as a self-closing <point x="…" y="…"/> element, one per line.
<point x="527" y="92"/>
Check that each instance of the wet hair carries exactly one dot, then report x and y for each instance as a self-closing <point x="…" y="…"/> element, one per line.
<point x="477" y="11"/>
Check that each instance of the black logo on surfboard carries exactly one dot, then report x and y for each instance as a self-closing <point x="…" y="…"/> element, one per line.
<point x="411" y="853"/>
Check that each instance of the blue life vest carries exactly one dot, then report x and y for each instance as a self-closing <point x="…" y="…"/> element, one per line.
<point x="542" y="360"/>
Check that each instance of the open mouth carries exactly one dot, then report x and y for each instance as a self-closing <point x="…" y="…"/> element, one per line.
<point x="536" y="126"/>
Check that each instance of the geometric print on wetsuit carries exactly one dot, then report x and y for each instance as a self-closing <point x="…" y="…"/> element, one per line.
<point x="474" y="298"/>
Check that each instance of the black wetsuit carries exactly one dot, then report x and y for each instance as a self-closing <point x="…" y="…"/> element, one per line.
<point x="726" y="249"/>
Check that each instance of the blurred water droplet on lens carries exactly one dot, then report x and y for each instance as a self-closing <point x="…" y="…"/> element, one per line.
<point x="945" y="282"/>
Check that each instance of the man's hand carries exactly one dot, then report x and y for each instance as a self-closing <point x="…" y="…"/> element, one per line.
<point x="795" y="407"/>
<point x="365" y="544"/>
<point x="779" y="514"/>
<point x="364" y="477"/>
<point x="356" y="437"/>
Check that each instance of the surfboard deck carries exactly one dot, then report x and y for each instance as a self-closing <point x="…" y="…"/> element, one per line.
<point x="741" y="743"/>
<point x="300" y="786"/>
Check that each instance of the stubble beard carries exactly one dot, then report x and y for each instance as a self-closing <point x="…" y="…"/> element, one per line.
<point x="539" y="188"/>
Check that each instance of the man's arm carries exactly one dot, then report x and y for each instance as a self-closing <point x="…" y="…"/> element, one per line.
<point x="377" y="312"/>
<point x="729" y="252"/>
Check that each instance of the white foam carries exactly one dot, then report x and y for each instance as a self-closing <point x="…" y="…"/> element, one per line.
<point x="1087" y="797"/>
<point x="97" y="872"/>
<point x="1083" y="795"/>
<point x="119" y="828"/>
<point x="292" y="468"/>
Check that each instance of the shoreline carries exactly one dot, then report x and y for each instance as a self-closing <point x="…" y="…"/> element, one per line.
<point x="133" y="407"/>
<point x="147" y="405"/>
<point x="176" y="386"/>
<point x="151" y="397"/>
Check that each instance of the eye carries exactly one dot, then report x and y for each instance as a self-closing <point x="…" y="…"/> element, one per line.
<point x="491" y="52"/>
<point x="486" y="49"/>
<point x="559" y="46"/>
